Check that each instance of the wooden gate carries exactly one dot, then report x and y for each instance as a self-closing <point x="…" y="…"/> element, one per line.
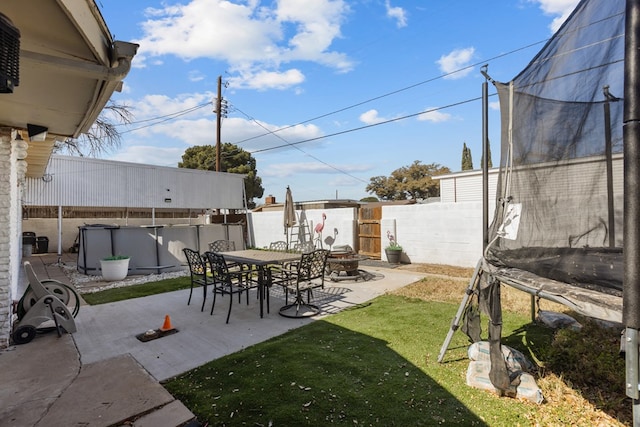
<point x="369" y="231"/>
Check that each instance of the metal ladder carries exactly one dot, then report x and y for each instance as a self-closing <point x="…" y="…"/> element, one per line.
<point x="295" y="234"/>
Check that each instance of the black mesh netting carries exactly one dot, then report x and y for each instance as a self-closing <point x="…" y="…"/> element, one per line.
<point x="559" y="209"/>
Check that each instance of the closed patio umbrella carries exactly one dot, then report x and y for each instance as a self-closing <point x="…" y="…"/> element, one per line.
<point x="289" y="214"/>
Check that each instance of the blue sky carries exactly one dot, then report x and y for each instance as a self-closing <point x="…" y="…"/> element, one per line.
<point x="325" y="94"/>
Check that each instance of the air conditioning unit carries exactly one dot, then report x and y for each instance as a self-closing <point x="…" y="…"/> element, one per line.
<point x="9" y="55"/>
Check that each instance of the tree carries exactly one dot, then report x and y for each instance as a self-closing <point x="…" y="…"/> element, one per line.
<point x="408" y="182"/>
<point x="233" y="159"/>
<point x="369" y="199"/>
<point x="467" y="162"/>
<point x="489" y="162"/>
<point x="102" y="137"/>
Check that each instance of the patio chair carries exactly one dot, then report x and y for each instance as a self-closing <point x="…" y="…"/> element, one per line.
<point x="279" y="276"/>
<point x="225" y="246"/>
<point x="198" y="271"/>
<point x="228" y="282"/>
<point x="280" y="245"/>
<point x="307" y="275"/>
<point x="222" y="246"/>
<point x="304" y="247"/>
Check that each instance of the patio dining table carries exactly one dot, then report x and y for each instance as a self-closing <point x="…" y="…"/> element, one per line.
<point x="260" y="259"/>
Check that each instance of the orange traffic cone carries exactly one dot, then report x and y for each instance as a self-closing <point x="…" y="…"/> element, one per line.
<point x="167" y="324"/>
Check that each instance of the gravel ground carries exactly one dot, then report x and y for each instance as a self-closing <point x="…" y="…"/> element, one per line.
<point x="86" y="283"/>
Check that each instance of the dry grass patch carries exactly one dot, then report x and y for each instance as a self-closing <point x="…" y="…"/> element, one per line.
<point x="581" y="374"/>
<point x="446" y="283"/>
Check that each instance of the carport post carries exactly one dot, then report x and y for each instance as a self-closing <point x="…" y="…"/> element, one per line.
<point x="59" y="234"/>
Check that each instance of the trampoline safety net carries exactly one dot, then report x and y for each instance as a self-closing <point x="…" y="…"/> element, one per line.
<point x="559" y="209"/>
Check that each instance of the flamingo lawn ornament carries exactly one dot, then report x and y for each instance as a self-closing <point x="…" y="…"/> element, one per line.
<point x="330" y="240"/>
<point x="318" y="229"/>
<point x="392" y="239"/>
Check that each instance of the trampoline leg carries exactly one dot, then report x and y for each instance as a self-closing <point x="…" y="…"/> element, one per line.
<point x="465" y="300"/>
<point x="533" y="309"/>
<point x="631" y="378"/>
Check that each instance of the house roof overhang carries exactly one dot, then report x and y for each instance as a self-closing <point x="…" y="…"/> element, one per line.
<point x="69" y="68"/>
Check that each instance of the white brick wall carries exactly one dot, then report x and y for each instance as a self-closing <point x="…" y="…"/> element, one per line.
<point x="6" y="240"/>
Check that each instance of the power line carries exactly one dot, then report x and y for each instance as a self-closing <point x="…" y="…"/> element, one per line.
<point x="181" y="112"/>
<point x="171" y="116"/>
<point x="369" y="126"/>
<point x="395" y="91"/>
<point x="166" y="118"/>
<point x="298" y="148"/>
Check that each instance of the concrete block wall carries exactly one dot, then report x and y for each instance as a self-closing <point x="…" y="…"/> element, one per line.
<point x="435" y="233"/>
<point x="340" y="226"/>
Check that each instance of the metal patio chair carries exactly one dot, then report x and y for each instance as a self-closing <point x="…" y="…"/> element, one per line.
<point x="305" y="275"/>
<point x="222" y="246"/>
<point x="228" y="282"/>
<point x="304" y="247"/>
<point x="280" y="245"/>
<point x="198" y="271"/>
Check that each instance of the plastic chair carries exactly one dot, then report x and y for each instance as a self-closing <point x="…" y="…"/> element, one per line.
<point x="199" y="276"/>
<point x="228" y="282"/>
<point x="308" y="275"/>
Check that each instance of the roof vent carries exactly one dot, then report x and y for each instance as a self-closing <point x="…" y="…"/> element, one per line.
<point x="9" y="55"/>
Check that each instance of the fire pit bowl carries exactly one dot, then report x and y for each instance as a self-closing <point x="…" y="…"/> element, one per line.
<point x="344" y="260"/>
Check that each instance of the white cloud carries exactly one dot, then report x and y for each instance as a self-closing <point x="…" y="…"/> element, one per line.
<point x="150" y="155"/>
<point x="254" y="39"/>
<point x="371" y="117"/>
<point x="238" y="129"/>
<point x="433" y="115"/>
<point x="196" y="76"/>
<point x="563" y="8"/>
<point x="397" y="13"/>
<point x="494" y="105"/>
<point x="262" y="80"/>
<point x="454" y="64"/>
<point x="198" y="127"/>
<point x="153" y="105"/>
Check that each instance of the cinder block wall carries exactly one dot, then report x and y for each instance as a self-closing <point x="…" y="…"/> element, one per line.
<point x="435" y="233"/>
<point x="340" y="226"/>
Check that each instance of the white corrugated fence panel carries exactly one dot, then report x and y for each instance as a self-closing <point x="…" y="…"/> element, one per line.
<point x="79" y="181"/>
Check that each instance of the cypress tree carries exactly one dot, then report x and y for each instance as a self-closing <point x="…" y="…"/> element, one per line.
<point x="489" y="162"/>
<point x="467" y="162"/>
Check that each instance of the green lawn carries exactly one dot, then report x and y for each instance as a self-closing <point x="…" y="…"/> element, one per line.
<point x="374" y="365"/>
<point x="137" y="291"/>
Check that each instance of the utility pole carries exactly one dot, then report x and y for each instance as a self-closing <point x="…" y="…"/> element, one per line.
<point x="218" y="123"/>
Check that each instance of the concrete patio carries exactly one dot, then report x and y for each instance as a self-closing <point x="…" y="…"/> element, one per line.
<point x="103" y="375"/>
